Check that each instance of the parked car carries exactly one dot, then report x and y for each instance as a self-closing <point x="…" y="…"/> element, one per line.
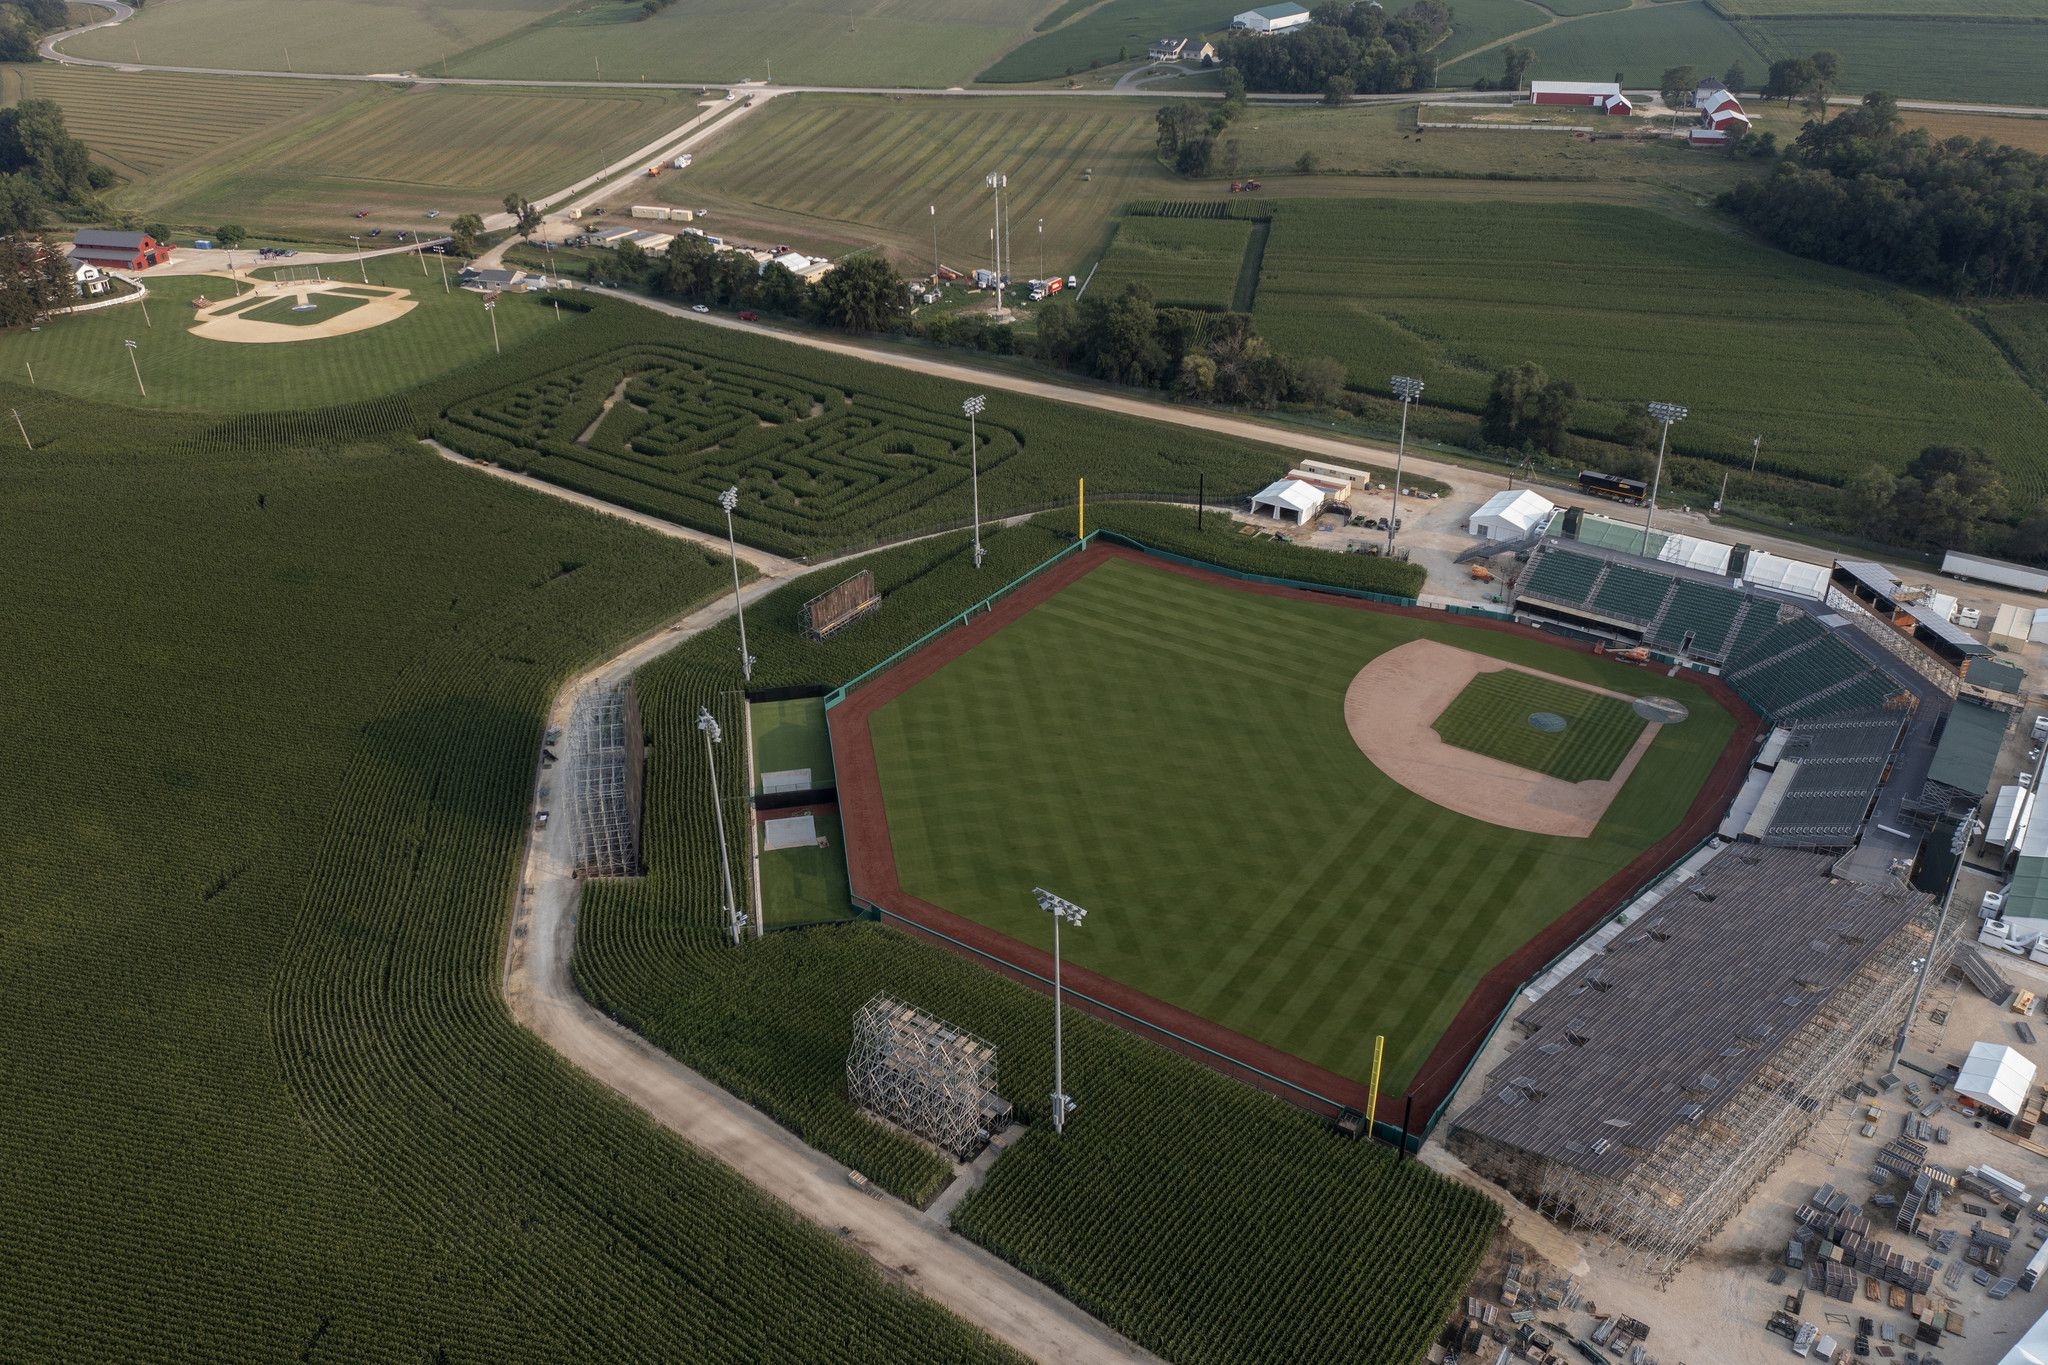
<point x="750" y="316"/>
<point x="362" y="213"/>
<point x="433" y="213"/>
<point x="699" y="308"/>
<point x="376" y="232"/>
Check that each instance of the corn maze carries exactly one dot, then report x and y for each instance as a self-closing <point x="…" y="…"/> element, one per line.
<point x="667" y="429"/>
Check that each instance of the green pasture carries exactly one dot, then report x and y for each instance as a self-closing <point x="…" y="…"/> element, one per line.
<point x="1491" y="717"/>
<point x="806" y="885"/>
<point x="1185" y="262"/>
<point x="1099" y="35"/>
<point x="1475" y="23"/>
<point x="1268" y="877"/>
<point x="1992" y="60"/>
<point x="1639" y="43"/>
<point x="792" y="734"/>
<point x="307" y="35"/>
<point x="884" y="43"/>
<point x="1611" y="298"/>
<point x="83" y="356"/>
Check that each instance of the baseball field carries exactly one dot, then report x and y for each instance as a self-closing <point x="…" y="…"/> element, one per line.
<point x="1188" y="759"/>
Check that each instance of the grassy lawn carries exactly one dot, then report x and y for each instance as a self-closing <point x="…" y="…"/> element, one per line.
<point x="1267" y="877"/>
<point x="306" y="35"/>
<point x="83" y="355"/>
<point x="1608" y="297"/>
<point x="1945" y="59"/>
<point x="1491" y="717"/>
<point x="792" y="734"/>
<point x="1185" y="262"/>
<point x="805" y="885"/>
<point x="288" y="310"/>
<point x="885" y="42"/>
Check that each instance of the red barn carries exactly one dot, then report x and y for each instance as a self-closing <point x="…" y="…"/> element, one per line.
<point x="119" y="250"/>
<point x="1605" y="96"/>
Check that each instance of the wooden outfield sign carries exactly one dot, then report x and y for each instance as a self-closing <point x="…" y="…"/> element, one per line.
<point x="841" y="606"/>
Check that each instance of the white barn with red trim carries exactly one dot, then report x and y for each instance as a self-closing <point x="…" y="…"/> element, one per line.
<point x="1605" y="96"/>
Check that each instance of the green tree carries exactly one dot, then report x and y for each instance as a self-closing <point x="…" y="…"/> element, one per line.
<point x="1337" y="89"/>
<point x="1515" y="62"/>
<point x="1735" y="77"/>
<point x="1317" y="380"/>
<point x="1308" y="163"/>
<point x="864" y="294"/>
<point x="1195" y="380"/>
<point x="1866" y="500"/>
<point x="525" y="214"/>
<point x="230" y="234"/>
<point x="1508" y="401"/>
<point x="463" y="232"/>
<point x="1678" y="84"/>
<point x="1635" y="429"/>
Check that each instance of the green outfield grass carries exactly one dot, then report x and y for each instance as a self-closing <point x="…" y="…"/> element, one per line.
<point x="805" y="885"/>
<point x="286" y="310"/>
<point x="885" y="43"/>
<point x="306" y="35"/>
<point x="1172" y="754"/>
<point x="792" y="734"/>
<point x="1185" y="262"/>
<point x="1607" y="297"/>
<point x="1491" y="717"/>
<point x="83" y="355"/>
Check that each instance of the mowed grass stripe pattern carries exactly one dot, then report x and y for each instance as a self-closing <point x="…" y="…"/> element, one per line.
<point x="1492" y="717"/>
<point x="1172" y="754"/>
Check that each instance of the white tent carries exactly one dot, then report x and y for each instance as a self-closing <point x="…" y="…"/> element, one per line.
<point x="1708" y="556"/>
<point x="1795" y="577"/>
<point x="2038" y="630"/>
<point x="1510" y="514"/>
<point x="1997" y="1076"/>
<point x="2031" y="1349"/>
<point x="1289" y="500"/>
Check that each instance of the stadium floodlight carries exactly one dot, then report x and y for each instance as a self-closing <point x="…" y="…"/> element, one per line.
<point x="708" y="724"/>
<point x="1960" y="841"/>
<point x="729" y="501"/>
<point x="996" y="181"/>
<point x="1061" y="909"/>
<point x="491" y="311"/>
<point x="973" y="408"/>
<point x="1667" y="413"/>
<point x="132" y="362"/>
<point x="1407" y="390"/>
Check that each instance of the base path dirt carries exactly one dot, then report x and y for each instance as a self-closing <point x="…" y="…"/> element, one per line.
<point x="1392" y="705"/>
<point x="226" y="320"/>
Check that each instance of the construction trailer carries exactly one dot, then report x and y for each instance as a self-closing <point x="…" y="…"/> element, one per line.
<point x="1655" y="1086"/>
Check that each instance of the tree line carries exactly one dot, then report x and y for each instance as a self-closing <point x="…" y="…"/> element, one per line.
<point x="1344" y="50"/>
<point x="43" y="168"/>
<point x="1964" y="217"/>
<point x="23" y="23"/>
<point x="860" y="294"/>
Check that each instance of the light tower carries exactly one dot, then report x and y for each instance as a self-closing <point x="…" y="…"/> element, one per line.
<point x="1407" y="390"/>
<point x="729" y="500"/>
<point x="972" y="407"/>
<point x="996" y="181"/>
<point x="734" y="920"/>
<point x="1667" y="413"/>
<point x="1060" y="908"/>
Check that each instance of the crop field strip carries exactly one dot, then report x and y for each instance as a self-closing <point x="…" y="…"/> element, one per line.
<point x="1607" y="297"/>
<point x="1249" y="1236"/>
<point x="864" y="168"/>
<point x="1888" y="9"/>
<point x="825" y="452"/>
<point x="1100" y="34"/>
<point x="1189" y="263"/>
<point x="1492" y="717"/>
<point x="298" y="1118"/>
<point x="886" y="43"/>
<point x="357" y="36"/>
<point x="144" y="123"/>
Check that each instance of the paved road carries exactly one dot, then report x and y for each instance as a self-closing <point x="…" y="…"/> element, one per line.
<point x="541" y="993"/>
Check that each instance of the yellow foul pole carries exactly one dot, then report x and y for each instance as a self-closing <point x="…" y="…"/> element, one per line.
<point x="1081" y="511"/>
<point x="1372" y="1102"/>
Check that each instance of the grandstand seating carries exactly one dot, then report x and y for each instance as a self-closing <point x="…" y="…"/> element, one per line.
<point x="1705" y="610"/>
<point x="1631" y="594"/>
<point x="1562" y="577"/>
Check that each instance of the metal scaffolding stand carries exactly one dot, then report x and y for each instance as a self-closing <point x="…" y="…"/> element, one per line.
<point x="605" y="805"/>
<point x="925" y="1076"/>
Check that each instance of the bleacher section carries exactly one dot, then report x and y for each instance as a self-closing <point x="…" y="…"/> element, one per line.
<point x="1840" y="761"/>
<point x="1778" y="655"/>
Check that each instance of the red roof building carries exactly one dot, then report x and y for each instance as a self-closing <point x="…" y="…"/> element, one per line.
<point x="119" y="250"/>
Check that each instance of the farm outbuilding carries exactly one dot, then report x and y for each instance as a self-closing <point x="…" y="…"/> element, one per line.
<point x="1271" y="18"/>
<point x="1605" y="96"/>
<point x="1288" y="500"/>
<point x="1996" y="1076"/>
<point x="1512" y="514"/>
<point x="118" y="250"/>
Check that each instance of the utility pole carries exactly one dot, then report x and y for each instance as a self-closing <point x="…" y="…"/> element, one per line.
<point x="935" y="239"/>
<point x="1060" y="908"/>
<point x="973" y="407"/>
<point x="1756" y="446"/>
<point x="1407" y="390"/>
<point x="491" y="307"/>
<point x="729" y="500"/>
<point x="1041" y="248"/>
<point x="137" y="367"/>
<point x="20" y="427"/>
<point x="996" y="181"/>
<point x="1667" y="413"/>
